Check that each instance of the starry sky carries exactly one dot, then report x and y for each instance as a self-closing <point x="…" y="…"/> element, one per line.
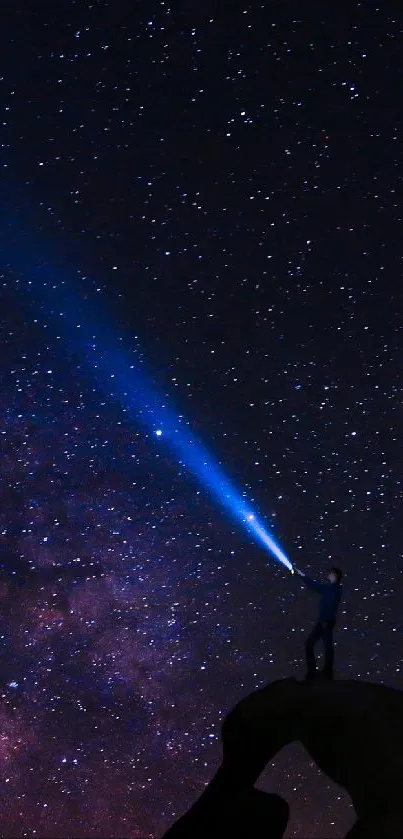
<point x="225" y="181"/>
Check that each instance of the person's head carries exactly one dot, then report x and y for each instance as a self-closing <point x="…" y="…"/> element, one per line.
<point x="335" y="575"/>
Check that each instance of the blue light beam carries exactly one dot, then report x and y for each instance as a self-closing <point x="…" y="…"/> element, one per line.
<point x="86" y="330"/>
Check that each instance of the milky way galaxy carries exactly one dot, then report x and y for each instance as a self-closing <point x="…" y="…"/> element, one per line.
<point x="223" y="184"/>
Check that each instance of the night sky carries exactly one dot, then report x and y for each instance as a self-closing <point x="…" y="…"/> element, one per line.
<point x="225" y="182"/>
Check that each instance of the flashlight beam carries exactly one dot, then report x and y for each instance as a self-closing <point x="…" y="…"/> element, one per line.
<point x="86" y="329"/>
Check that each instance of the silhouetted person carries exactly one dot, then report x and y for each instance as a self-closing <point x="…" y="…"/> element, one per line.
<point x="330" y="596"/>
<point x="352" y="730"/>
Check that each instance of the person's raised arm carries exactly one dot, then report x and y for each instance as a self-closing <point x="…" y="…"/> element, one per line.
<point x="308" y="581"/>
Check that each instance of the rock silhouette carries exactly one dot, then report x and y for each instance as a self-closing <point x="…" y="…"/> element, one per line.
<point x="352" y="730"/>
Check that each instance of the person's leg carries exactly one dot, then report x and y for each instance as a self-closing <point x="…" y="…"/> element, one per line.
<point x="329" y="649"/>
<point x="310" y="642"/>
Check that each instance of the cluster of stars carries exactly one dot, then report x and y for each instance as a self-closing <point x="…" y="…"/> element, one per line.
<point x="226" y="183"/>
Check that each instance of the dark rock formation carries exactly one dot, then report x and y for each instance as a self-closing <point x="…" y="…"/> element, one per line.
<point x="352" y="730"/>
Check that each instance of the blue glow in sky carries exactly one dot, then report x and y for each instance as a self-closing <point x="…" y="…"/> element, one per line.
<point x="81" y="323"/>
